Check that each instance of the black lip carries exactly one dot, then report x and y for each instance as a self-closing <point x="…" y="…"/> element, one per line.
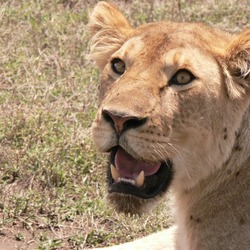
<point x="154" y="185"/>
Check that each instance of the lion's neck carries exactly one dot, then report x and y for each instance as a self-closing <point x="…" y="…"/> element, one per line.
<point x="219" y="205"/>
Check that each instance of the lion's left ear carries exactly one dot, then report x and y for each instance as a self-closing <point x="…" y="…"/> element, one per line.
<point x="237" y="59"/>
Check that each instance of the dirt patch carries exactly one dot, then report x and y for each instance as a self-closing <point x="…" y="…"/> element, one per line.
<point x="17" y="238"/>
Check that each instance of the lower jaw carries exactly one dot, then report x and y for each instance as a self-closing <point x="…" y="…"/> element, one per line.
<point x="130" y="204"/>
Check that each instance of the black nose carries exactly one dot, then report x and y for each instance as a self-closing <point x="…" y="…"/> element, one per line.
<point x="122" y="121"/>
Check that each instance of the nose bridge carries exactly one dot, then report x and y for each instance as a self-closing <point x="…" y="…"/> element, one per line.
<point x="133" y="97"/>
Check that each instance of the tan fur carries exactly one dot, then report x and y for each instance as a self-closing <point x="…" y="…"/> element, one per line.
<point x="203" y="127"/>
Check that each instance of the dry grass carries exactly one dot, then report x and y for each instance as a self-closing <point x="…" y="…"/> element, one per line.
<point x="52" y="179"/>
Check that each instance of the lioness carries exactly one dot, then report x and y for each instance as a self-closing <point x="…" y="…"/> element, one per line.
<point x="174" y="114"/>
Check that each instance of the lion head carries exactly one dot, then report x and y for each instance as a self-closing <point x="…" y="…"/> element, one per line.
<point x="172" y="96"/>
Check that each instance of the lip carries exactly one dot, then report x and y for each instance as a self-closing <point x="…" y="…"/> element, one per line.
<point x="155" y="184"/>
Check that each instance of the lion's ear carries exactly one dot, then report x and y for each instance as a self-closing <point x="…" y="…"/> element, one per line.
<point x="237" y="60"/>
<point x="110" y="29"/>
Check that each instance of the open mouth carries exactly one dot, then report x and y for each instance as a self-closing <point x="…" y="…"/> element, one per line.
<point x="128" y="175"/>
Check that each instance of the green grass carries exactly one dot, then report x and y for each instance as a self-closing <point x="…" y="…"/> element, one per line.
<point x="52" y="180"/>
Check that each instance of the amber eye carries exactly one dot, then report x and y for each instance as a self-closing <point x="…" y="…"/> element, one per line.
<point x="118" y="66"/>
<point x="182" y="77"/>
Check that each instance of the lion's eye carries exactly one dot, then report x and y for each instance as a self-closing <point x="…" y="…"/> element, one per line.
<point x="182" y="77"/>
<point x="118" y="66"/>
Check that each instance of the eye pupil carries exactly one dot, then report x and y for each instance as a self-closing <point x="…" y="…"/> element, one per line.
<point x="182" y="77"/>
<point x="118" y="66"/>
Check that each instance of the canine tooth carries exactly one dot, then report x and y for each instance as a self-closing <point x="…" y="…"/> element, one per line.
<point x="114" y="172"/>
<point x="140" y="179"/>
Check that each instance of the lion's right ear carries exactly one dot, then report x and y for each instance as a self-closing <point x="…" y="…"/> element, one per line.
<point x="110" y="29"/>
<point x="237" y="59"/>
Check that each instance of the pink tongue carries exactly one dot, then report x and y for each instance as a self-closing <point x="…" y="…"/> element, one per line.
<point x="129" y="167"/>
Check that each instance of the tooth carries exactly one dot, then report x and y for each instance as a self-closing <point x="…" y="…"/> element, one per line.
<point x="114" y="172"/>
<point x="140" y="179"/>
<point x="132" y="182"/>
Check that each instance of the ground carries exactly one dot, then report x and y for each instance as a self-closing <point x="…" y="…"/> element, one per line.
<point x="52" y="179"/>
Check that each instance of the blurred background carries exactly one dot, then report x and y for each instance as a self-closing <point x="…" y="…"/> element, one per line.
<point x="52" y="180"/>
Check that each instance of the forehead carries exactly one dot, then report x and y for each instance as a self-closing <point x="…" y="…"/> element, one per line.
<point x="153" y="41"/>
<point x="165" y="45"/>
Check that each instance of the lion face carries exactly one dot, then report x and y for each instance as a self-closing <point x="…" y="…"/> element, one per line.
<point x="164" y="95"/>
